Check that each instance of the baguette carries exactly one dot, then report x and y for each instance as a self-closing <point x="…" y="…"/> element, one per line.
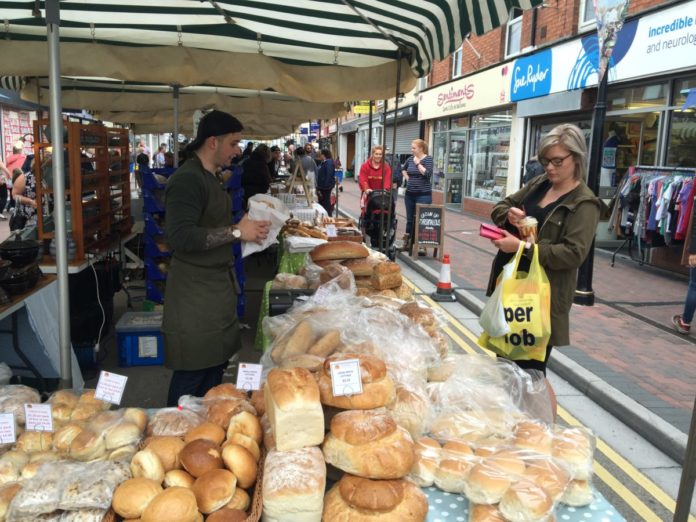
<point x="338" y="250"/>
<point x="300" y="340"/>
<point x="327" y="344"/>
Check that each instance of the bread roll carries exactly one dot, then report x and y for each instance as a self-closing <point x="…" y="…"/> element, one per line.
<point x="410" y="410"/>
<point x="32" y="441"/>
<point x="258" y="402"/>
<point x="137" y="416"/>
<point x="427" y="460"/>
<point x="455" y="449"/>
<point x="327" y="344"/>
<point x="293" y="408"/>
<point x="338" y="250"/>
<point x="532" y="435"/>
<point x="123" y="434"/>
<point x="486" y="484"/>
<point x="104" y="421"/>
<point x="508" y="461"/>
<point x="214" y="489"/>
<point x="578" y="493"/>
<point x="246" y="424"/>
<point x="167" y="449"/>
<point x="451" y="473"/>
<point x="88" y="398"/>
<point x="310" y="362"/>
<point x="87" y="445"/>
<point x="7" y="493"/>
<point x="293" y="485"/>
<point x="178" y="478"/>
<point x="219" y="411"/>
<point x="378" y="387"/>
<point x="10" y="472"/>
<point x="356" y="499"/>
<point x="147" y="464"/>
<point x="524" y="501"/>
<point x="240" y="462"/>
<point x="227" y="514"/>
<point x="368" y="443"/>
<point x="83" y="412"/>
<point x="65" y="397"/>
<point x="16" y="457"/>
<point x="240" y="500"/>
<point x="485" y="513"/>
<point x="573" y="447"/>
<point x="200" y="456"/>
<point x="124" y="452"/>
<point x="132" y="496"/>
<point x="172" y="504"/>
<point x="245" y="442"/>
<point x="64" y="436"/>
<point x="299" y="341"/>
<point x="550" y="476"/>
<point x="208" y="431"/>
<point x="226" y="390"/>
<point x="361" y="267"/>
<point x="61" y="413"/>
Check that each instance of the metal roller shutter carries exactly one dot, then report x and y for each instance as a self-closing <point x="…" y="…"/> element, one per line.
<point x="406" y="132"/>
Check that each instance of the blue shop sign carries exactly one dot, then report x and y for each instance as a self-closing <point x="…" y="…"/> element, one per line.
<point x="531" y="76"/>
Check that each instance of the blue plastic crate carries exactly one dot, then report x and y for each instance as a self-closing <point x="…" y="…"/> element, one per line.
<point x="139" y="339"/>
<point x="151" y="203"/>
<point x="151" y="226"/>
<point x="237" y="249"/>
<point x="150" y="182"/>
<point x="152" y="293"/>
<point x="151" y="249"/>
<point x="241" y="305"/>
<point x="152" y="272"/>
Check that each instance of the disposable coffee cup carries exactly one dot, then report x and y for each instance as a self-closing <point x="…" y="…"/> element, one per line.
<point x="528" y="228"/>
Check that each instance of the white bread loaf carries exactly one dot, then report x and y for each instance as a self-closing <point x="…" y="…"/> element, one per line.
<point x="293" y="485"/>
<point x="368" y="443"/>
<point x="293" y="408"/>
<point x="338" y="250"/>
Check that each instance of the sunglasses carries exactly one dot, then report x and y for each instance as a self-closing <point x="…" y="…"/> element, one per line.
<point x="556" y="162"/>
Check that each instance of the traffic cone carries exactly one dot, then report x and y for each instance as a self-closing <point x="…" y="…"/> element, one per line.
<point x="444" y="290"/>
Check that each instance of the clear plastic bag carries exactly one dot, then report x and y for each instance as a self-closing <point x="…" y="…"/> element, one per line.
<point x="13" y="397"/>
<point x="173" y="421"/>
<point x="574" y="448"/>
<point x="217" y="410"/>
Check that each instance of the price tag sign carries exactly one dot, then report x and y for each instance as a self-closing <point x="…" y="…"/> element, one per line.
<point x="110" y="387"/>
<point x="38" y="417"/>
<point x="345" y="377"/>
<point x="7" y="428"/>
<point x="249" y="376"/>
<point x="331" y="230"/>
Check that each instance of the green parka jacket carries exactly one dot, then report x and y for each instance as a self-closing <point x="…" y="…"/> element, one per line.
<point x="564" y="241"/>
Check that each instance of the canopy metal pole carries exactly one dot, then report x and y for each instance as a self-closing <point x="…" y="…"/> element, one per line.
<point x="53" y="31"/>
<point x="369" y="130"/>
<point x="175" y="94"/>
<point x="393" y="151"/>
<point x="384" y="141"/>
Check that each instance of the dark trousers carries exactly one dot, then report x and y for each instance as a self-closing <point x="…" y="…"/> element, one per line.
<point x="3" y="197"/>
<point x="411" y="200"/>
<point x="325" y="200"/>
<point x="193" y="382"/>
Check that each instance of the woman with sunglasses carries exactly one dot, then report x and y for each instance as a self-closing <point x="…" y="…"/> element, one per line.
<point x="567" y="212"/>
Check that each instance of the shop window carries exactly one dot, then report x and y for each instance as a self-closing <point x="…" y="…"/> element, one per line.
<point x="488" y="156"/>
<point x="441" y="125"/>
<point x="636" y="98"/>
<point x="457" y="63"/>
<point x="439" y="153"/>
<point x="681" y="144"/>
<point x="422" y="83"/>
<point x="460" y="122"/>
<point x="513" y="39"/>
<point x="682" y="89"/>
<point x="587" y="14"/>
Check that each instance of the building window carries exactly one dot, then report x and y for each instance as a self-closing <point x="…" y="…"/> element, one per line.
<point x="587" y="14"/>
<point x="513" y="39"/>
<point x="457" y="63"/>
<point x="681" y="144"/>
<point x="422" y="83"/>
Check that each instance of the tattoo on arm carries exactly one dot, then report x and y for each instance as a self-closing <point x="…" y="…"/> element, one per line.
<point x="218" y="236"/>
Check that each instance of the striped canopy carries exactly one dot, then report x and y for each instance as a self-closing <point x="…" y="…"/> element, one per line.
<point x="316" y="50"/>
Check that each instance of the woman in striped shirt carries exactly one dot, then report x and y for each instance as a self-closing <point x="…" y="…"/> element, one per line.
<point x="417" y="171"/>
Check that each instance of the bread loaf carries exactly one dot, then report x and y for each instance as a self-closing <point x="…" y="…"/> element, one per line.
<point x="327" y="344"/>
<point x="410" y="410"/>
<point x="226" y="390"/>
<point x="298" y="342"/>
<point x="361" y="267"/>
<point x="386" y="281"/>
<point x="208" y="431"/>
<point x="214" y="489"/>
<point x="313" y="363"/>
<point x="172" y="504"/>
<point x="200" y="456"/>
<point x="338" y="250"/>
<point x="378" y="387"/>
<point x="293" y="408"/>
<point x="167" y="449"/>
<point x="293" y="486"/>
<point x="368" y="443"/>
<point x="356" y="499"/>
<point x="132" y="496"/>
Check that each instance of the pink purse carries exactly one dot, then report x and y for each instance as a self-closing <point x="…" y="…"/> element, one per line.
<point x="491" y="231"/>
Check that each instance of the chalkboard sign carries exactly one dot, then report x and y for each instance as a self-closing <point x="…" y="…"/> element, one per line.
<point x="430" y="227"/>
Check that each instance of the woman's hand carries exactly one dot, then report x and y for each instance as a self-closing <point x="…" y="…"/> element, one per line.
<point x="514" y="215"/>
<point x="692" y="260"/>
<point x="404" y="174"/>
<point x="508" y="244"/>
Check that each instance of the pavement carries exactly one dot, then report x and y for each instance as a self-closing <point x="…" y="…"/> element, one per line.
<point x="624" y="352"/>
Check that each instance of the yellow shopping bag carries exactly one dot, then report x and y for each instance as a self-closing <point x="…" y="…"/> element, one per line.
<point x="526" y="301"/>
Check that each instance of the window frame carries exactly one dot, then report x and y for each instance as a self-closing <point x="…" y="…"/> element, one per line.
<point x="586" y="24"/>
<point x="457" y="59"/>
<point x="513" y="22"/>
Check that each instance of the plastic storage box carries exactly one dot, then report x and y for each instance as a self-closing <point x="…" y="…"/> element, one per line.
<point x="139" y="339"/>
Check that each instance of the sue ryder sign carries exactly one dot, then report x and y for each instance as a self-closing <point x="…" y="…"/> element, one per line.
<point x="490" y="88"/>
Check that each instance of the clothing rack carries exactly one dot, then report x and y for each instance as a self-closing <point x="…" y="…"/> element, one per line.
<point x="646" y="174"/>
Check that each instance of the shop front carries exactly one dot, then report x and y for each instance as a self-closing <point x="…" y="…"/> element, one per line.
<point x="649" y="121"/>
<point x="408" y="128"/>
<point x="15" y="122"/>
<point x="472" y="127"/>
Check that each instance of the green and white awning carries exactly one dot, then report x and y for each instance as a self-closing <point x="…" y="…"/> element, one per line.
<point x="316" y="50"/>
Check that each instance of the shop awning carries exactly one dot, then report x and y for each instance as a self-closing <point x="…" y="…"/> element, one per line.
<point x="317" y="50"/>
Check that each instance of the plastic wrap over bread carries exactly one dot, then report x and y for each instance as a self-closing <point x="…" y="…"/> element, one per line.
<point x="173" y="421"/>
<point x="13" y="397"/>
<point x="217" y="409"/>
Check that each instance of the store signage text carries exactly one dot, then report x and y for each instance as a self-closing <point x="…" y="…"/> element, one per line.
<point x="531" y="76"/>
<point x="456" y="95"/>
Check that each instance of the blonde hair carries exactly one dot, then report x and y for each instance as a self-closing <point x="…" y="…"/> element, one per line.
<point x="422" y="144"/>
<point x="571" y="138"/>
<point x="375" y="149"/>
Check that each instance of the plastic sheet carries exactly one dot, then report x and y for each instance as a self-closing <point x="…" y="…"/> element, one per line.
<point x="13" y="397"/>
<point x="217" y="410"/>
<point x="263" y="207"/>
<point x="574" y="447"/>
<point x="173" y="421"/>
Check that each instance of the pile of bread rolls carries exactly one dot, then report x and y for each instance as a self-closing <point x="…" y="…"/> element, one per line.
<point x="210" y="469"/>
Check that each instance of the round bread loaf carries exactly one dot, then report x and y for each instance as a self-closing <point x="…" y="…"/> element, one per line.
<point x="247" y="424"/>
<point x="524" y="501"/>
<point x="240" y="462"/>
<point x="132" y="496"/>
<point x="173" y="422"/>
<point x="137" y="416"/>
<point x="227" y="514"/>
<point x="369" y="444"/>
<point x="147" y="464"/>
<point x="208" y="431"/>
<point x="246" y="442"/>
<point x="378" y="387"/>
<point x="167" y="449"/>
<point x="214" y="489"/>
<point x="226" y="390"/>
<point x="220" y="411"/>
<point x="356" y="499"/>
<point x="200" y="456"/>
<point x="64" y="436"/>
<point x="123" y="434"/>
<point x="410" y="410"/>
<point x="178" y="477"/>
<point x="172" y="504"/>
<point x="240" y="500"/>
<point x="338" y="250"/>
<point x="7" y="493"/>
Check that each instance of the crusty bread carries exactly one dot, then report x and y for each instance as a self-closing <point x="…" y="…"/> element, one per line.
<point x="378" y="387"/>
<point x="386" y="281"/>
<point x="167" y="449"/>
<point x="410" y="410"/>
<point x="240" y="462"/>
<point x="293" y="485"/>
<point x="64" y="436"/>
<point x="356" y="499"/>
<point x="214" y="489"/>
<point x="338" y="250"/>
<point x="172" y="504"/>
<point x="296" y="342"/>
<point x="361" y="267"/>
<point x="199" y="456"/>
<point x="326" y="344"/>
<point x="386" y="267"/>
<point x="293" y="408"/>
<point x="226" y="390"/>
<point x="132" y="496"/>
<point x="368" y="443"/>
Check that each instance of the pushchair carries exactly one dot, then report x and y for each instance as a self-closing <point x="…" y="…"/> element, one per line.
<point x="375" y="222"/>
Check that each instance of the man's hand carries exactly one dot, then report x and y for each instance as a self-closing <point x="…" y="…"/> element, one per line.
<point x="256" y="231"/>
<point x="692" y="260"/>
<point x="507" y="244"/>
<point x="367" y="191"/>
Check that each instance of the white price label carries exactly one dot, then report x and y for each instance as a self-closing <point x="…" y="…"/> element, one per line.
<point x="110" y="387"/>
<point x="331" y="230"/>
<point x="147" y="347"/>
<point x="249" y="376"/>
<point x="345" y="377"/>
<point x="39" y="417"/>
<point x="7" y="428"/>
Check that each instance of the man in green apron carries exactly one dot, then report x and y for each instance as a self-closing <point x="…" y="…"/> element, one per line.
<point x="200" y="324"/>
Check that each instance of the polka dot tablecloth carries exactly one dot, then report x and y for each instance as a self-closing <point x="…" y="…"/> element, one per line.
<point x="450" y="507"/>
